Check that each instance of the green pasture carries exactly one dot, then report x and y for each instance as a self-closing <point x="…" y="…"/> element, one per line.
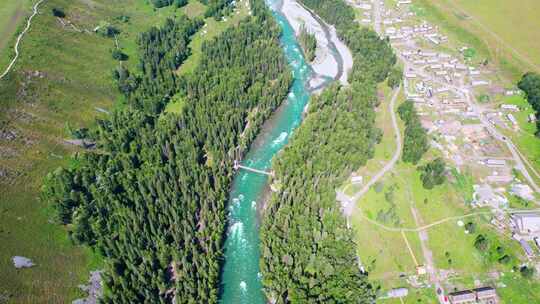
<point x="516" y="23"/>
<point x="466" y="23"/>
<point x="61" y="77"/>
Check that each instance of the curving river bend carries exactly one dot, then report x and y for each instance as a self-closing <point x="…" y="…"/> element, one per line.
<point x="241" y="279"/>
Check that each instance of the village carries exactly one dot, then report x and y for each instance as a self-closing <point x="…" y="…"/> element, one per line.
<point x="462" y="106"/>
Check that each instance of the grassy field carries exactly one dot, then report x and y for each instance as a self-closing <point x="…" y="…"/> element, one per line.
<point x="513" y="24"/>
<point x="12" y="15"/>
<point x="387" y="257"/>
<point x="380" y="258"/>
<point x="387" y="147"/>
<point x="517" y="290"/>
<point x="390" y="202"/>
<point x="491" y="29"/>
<point x="61" y="77"/>
<point x="424" y="296"/>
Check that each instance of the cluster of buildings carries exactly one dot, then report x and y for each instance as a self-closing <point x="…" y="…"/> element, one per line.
<point x="407" y="32"/>
<point x="454" y="98"/>
<point x="445" y="87"/>
<point x="483" y="295"/>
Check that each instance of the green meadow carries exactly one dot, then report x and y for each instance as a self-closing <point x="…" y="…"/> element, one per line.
<point x="61" y="76"/>
<point x="514" y="23"/>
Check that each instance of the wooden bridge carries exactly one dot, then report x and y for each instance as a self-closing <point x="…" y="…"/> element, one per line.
<point x="238" y="166"/>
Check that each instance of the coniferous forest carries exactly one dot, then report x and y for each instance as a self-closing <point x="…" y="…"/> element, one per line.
<point x="151" y="197"/>
<point x="308" y="255"/>
<point x="308" y="42"/>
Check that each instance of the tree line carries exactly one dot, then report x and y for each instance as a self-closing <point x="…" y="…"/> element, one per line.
<point x="164" y="3"/>
<point x="151" y="198"/>
<point x="415" y="143"/>
<point x="214" y="8"/>
<point x="308" y="255"/>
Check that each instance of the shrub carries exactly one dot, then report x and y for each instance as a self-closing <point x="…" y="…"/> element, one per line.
<point x="505" y="259"/>
<point x="471" y="227"/>
<point x="119" y="55"/>
<point x="432" y="174"/>
<point x="105" y="29"/>
<point x="526" y="272"/>
<point x="58" y="12"/>
<point x="481" y="243"/>
<point x="394" y="77"/>
<point x="180" y="3"/>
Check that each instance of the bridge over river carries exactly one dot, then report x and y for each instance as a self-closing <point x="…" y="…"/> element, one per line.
<point x="241" y="278"/>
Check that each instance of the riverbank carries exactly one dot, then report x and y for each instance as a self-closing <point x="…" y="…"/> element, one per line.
<point x="333" y="60"/>
<point x="241" y="279"/>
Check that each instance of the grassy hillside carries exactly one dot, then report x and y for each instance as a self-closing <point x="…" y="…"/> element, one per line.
<point x="513" y="23"/>
<point x="12" y="15"/>
<point x="61" y="77"/>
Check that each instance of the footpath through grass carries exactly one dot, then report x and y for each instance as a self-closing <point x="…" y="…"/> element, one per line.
<point x="62" y="75"/>
<point x="12" y="15"/>
<point x="387" y="147"/>
<point x="386" y="256"/>
<point x="384" y="253"/>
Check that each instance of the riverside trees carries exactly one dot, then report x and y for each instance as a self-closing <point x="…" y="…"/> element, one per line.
<point x="308" y="42"/>
<point x="307" y="252"/>
<point x="151" y="199"/>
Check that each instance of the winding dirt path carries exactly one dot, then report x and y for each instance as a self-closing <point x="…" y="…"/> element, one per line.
<point x="441" y="221"/>
<point x="349" y="203"/>
<point x="19" y="39"/>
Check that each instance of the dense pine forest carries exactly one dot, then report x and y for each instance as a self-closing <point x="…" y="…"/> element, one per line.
<point x="151" y="197"/>
<point x="218" y="8"/>
<point x="308" y="254"/>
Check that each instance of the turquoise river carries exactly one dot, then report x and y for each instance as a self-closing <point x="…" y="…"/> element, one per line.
<point x="241" y="279"/>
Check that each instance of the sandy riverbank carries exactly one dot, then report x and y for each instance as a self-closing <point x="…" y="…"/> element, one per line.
<point x="346" y="56"/>
<point x="332" y="58"/>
